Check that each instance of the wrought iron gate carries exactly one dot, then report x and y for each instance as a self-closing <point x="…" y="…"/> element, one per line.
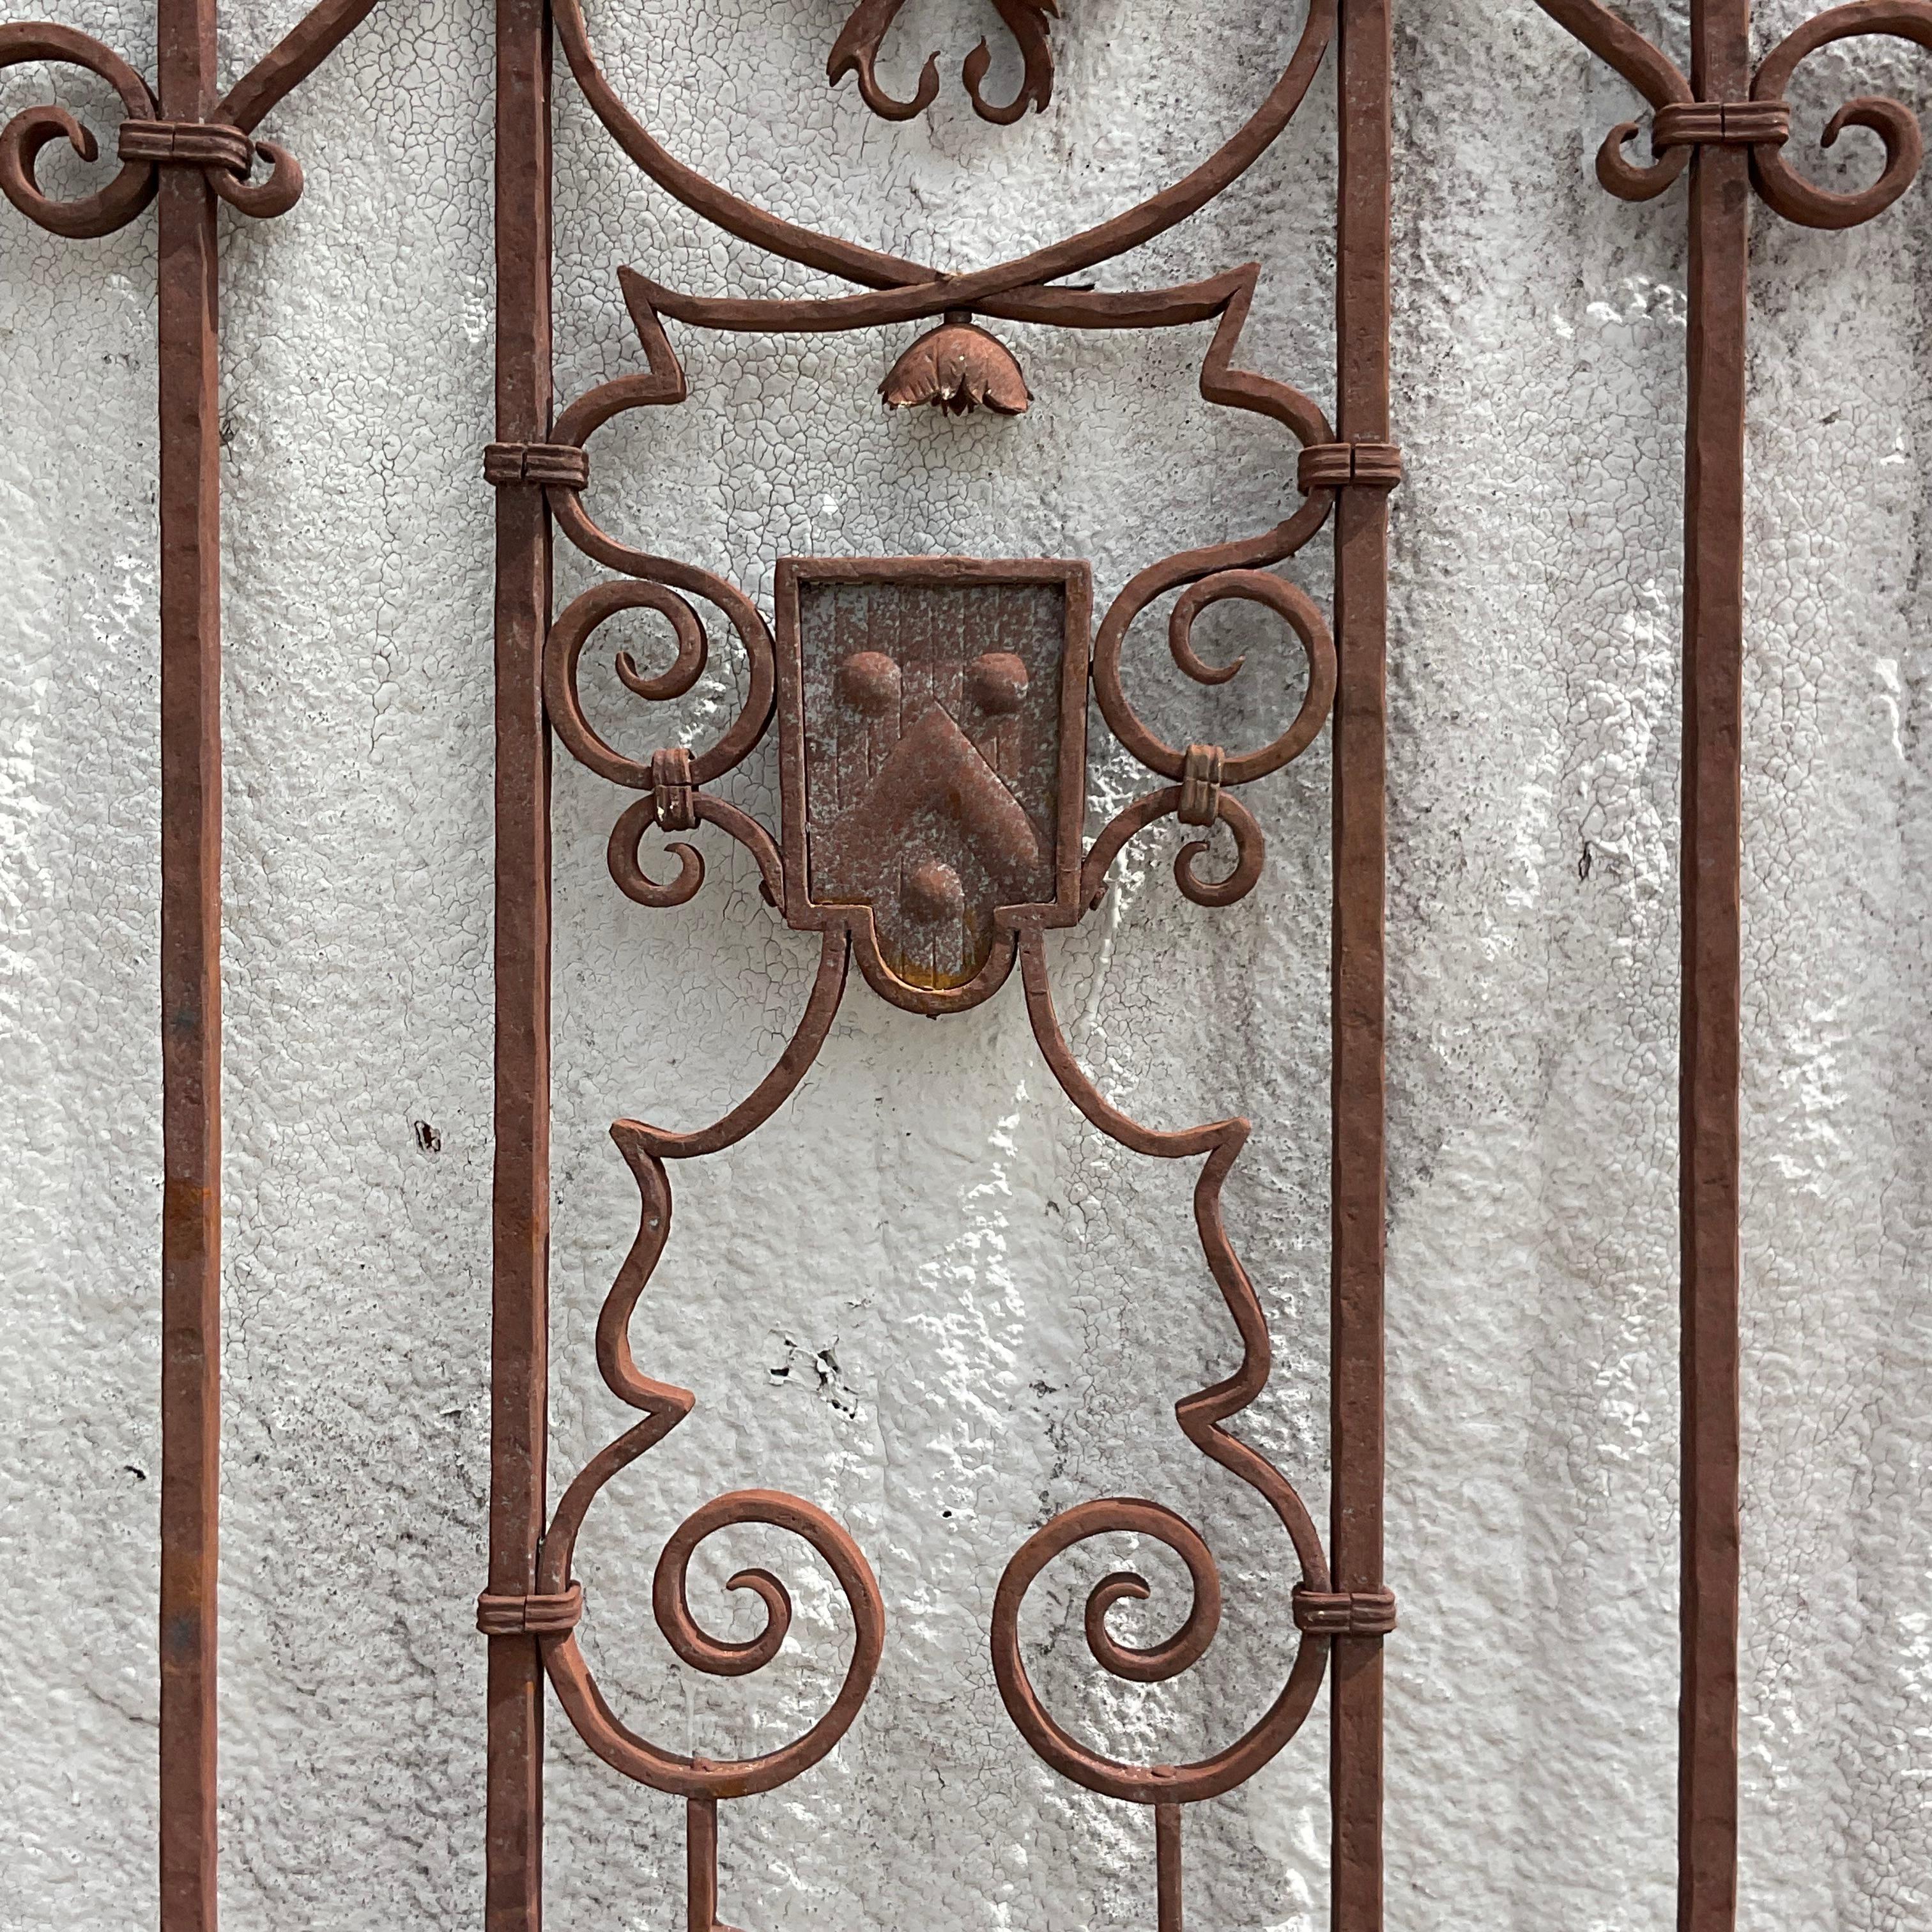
<point x="931" y="719"/>
<point x="931" y="715"/>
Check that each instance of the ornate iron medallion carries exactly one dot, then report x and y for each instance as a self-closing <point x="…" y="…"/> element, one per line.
<point x="932" y="720"/>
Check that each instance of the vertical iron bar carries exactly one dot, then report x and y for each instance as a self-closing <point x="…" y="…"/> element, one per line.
<point x="190" y="618"/>
<point x="1167" y="1867"/>
<point x="701" y="1863"/>
<point x="1714" y="531"/>
<point x="520" y="1202"/>
<point x="1357" y="1180"/>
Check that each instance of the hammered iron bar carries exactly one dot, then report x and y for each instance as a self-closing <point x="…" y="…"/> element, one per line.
<point x="932" y="716"/>
<point x="190" y="146"/>
<point x="1728" y="126"/>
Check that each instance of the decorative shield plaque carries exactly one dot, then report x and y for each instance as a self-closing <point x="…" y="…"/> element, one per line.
<point x="932" y="715"/>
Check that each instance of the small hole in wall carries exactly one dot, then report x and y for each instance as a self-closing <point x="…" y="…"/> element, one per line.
<point x="427" y="1137"/>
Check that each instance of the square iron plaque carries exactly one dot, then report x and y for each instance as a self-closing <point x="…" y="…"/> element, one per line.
<point x="932" y="718"/>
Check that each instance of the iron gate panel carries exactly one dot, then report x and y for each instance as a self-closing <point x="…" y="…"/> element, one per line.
<point x="930" y="713"/>
<point x="958" y="871"/>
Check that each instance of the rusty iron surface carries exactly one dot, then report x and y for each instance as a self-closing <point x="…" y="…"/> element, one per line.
<point x="519" y="1183"/>
<point x="958" y="367"/>
<point x="1358" y="1082"/>
<point x="1725" y="125"/>
<point x="856" y="51"/>
<point x="935" y="843"/>
<point x="186" y="145"/>
<point x="932" y="715"/>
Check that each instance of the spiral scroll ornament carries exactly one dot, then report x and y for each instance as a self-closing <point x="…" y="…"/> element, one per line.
<point x="1787" y="191"/>
<point x="1205" y="771"/>
<point x="220" y="146"/>
<point x="672" y="778"/>
<point x="30" y="131"/>
<point x="1680" y="122"/>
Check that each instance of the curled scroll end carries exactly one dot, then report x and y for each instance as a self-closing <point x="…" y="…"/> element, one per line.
<point x="694" y="653"/>
<point x="1623" y="178"/>
<point x="88" y="216"/>
<point x="1250" y="850"/>
<point x="1298" y="611"/>
<point x="1026" y="21"/>
<point x="1112" y="1516"/>
<point x="856" y="51"/>
<point x="1155" y="1663"/>
<point x="740" y="1660"/>
<point x="972" y="73"/>
<point x="1798" y="200"/>
<point x="1123" y="1586"/>
<point x="627" y="869"/>
<point x="888" y="106"/>
<point x="563" y="655"/>
<point x="275" y="194"/>
<point x="1786" y="190"/>
<point x="636" y="1757"/>
<point x="1180" y="647"/>
<point x="671" y="1604"/>
<point x="40" y="126"/>
<point x="673" y="682"/>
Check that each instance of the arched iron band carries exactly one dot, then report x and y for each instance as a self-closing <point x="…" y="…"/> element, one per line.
<point x="874" y="269"/>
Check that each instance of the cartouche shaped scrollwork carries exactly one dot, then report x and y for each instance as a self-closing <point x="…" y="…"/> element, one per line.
<point x="663" y="1406"/>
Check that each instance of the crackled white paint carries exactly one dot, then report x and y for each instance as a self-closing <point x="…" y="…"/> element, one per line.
<point x="924" y="1295"/>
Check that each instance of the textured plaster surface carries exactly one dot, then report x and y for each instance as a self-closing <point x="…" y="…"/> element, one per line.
<point x="926" y="1296"/>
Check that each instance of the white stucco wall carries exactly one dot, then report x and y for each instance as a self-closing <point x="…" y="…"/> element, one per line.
<point x="982" y="1313"/>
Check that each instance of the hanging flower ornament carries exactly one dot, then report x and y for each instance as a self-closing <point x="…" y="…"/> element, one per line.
<point x="957" y="367"/>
